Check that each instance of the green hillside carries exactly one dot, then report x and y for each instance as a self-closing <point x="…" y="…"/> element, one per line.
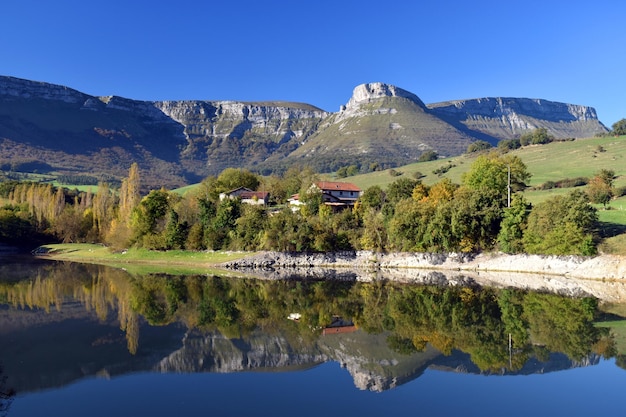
<point x="388" y="131"/>
<point x="552" y="162"/>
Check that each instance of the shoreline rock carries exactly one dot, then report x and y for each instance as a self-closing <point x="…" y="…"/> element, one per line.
<point x="603" y="277"/>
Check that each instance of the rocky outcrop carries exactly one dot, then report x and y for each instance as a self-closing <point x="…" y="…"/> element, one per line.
<point x="506" y="118"/>
<point x="366" y="93"/>
<point x="17" y="88"/>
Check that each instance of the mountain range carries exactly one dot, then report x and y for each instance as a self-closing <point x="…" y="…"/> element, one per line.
<point x="49" y="128"/>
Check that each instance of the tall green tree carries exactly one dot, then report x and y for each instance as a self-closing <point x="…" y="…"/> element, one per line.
<point x="619" y="127"/>
<point x="562" y="225"/>
<point x="513" y="225"/>
<point x="491" y="171"/>
<point x="232" y="178"/>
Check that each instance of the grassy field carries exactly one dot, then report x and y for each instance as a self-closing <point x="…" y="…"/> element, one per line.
<point x="142" y="260"/>
<point x="618" y="330"/>
<point x="551" y="162"/>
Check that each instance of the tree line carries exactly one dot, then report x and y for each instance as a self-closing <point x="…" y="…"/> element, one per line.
<point x="487" y="211"/>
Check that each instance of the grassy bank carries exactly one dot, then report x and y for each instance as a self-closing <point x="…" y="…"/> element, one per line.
<point x="142" y="260"/>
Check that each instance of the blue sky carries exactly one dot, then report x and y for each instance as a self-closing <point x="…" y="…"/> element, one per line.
<point x="317" y="52"/>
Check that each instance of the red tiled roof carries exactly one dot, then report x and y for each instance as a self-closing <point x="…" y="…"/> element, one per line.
<point x="337" y="186"/>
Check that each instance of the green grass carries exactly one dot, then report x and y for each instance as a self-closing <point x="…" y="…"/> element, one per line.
<point x="145" y="261"/>
<point x="551" y="162"/>
<point x="618" y="330"/>
<point x="184" y="190"/>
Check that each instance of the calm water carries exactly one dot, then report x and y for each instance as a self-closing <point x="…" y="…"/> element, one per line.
<point x="78" y="340"/>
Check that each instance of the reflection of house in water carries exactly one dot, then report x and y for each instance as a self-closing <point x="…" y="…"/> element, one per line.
<point x="339" y="325"/>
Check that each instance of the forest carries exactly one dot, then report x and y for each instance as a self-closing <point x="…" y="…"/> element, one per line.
<point x="487" y="211"/>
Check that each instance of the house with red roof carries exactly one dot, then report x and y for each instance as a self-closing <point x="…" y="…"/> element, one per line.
<point x="338" y="195"/>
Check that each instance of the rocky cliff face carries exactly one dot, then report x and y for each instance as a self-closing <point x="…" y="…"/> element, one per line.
<point x="179" y="142"/>
<point x="506" y="118"/>
<point x="224" y="134"/>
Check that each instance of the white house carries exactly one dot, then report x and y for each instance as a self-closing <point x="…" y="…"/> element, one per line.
<point x="247" y="196"/>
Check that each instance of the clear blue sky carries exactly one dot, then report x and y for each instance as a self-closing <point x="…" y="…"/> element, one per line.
<point x="317" y="52"/>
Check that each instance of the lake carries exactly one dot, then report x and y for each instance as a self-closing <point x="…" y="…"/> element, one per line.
<point x="79" y="340"/>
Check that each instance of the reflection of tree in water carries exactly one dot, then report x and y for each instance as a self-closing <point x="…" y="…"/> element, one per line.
<point x="6" y="394"/>
<point x="477" y="321"/>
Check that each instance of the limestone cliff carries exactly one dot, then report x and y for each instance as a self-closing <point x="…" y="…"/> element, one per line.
<point x="61" y="130"/>
<point x="223" y="134"/>
<point x="506" y="118"/>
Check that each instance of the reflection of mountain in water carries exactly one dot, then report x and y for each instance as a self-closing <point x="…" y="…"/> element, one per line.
<point x="366" y="357"/>
<point x="62" y="346"/>
<point x="71" y="321"/>
<point x="213" y="352"/>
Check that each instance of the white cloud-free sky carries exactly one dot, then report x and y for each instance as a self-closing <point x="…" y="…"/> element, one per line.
<point x="317" y="52"/>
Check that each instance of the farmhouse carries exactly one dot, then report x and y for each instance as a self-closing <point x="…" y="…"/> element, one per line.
<point x="247" y="196"/>
<point x="338" y="195"/>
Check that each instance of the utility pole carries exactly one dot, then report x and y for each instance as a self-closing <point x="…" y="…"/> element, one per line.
<point x="508" y="188"/>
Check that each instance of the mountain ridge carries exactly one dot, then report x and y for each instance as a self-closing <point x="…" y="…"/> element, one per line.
<point x="177" y="142"/>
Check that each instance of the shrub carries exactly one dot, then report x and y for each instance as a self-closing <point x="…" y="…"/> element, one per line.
<point x="479" y="145"/>
<point x="428" y="156"/>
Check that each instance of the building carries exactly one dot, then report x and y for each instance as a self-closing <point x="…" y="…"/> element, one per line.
<point x="247" y="196"/>
<point x="338" y="195"/>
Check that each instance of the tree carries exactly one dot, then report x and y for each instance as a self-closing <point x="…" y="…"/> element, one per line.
<point x="479" y="145"/>
<point x="538" y="136"/>
<point x="249" y="227"/>
<point x="475" y="219"/>
<point x="312" y="199"/>
<point x="176" y="232"/>
<point x="373" y="197"/>
<point x="374" y="233"/>
<point x="429" y="155"/>
<point x="513" y="225"/>
<point x="103" y="207"/>
<point x="491" y="171"/>
<point x="409" y="225"/>
<point x="232" y="178"/>
<point x="129" y="192"/>
<point x="506" y="145"/>
<point x="562" y="225"/>
<point x="600" y="187"/>
<point x="148" y="220"/>
<point x="119" y="233"/>
<point x="442" y="191"/>
<point x="619" y="128"/>
<point x="401" y="189"/>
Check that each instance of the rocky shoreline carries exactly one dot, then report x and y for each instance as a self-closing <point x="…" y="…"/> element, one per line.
<point x="603" y="277"/>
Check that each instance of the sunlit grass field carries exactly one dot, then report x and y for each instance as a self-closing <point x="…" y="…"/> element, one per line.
<point x="138" y="260"/>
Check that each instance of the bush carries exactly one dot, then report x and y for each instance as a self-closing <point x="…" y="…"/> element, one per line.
<point x="428" y="156"/>
<point x="443" y="169"/>
<point x="509" y="144"/>
<point x="479" y="145"/>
